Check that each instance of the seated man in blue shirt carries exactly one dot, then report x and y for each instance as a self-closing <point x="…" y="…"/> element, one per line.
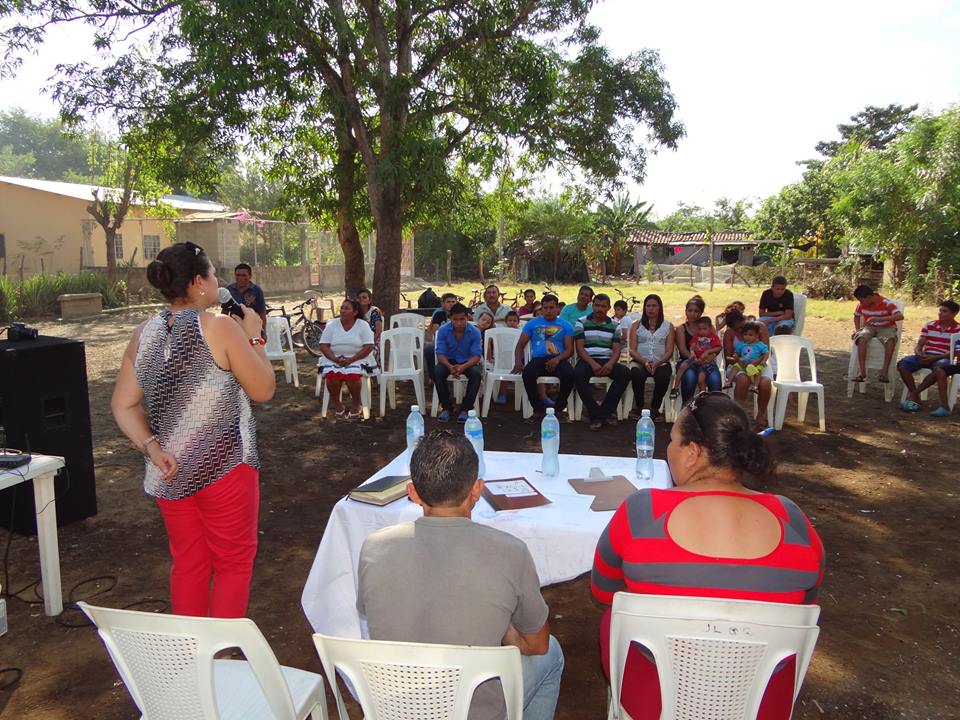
<point x="551" y="346"/>
<point x="458" y="355"/>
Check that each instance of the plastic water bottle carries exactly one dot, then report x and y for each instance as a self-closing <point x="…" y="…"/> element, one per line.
<point x="645" y="438"/>
<point x="414" y="431"/>
<point x="550" y="443"/>
<point x="474" y="432"/>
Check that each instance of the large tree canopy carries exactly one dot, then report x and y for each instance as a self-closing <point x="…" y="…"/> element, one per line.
<point x="414" y="83"/>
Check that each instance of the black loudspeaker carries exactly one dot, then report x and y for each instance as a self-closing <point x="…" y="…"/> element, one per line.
<point x="44" y="408"/>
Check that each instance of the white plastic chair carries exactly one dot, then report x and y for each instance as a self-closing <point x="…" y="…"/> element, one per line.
<point x="953" y="388"/>
<point x="408" y="320"/>
<point x="714" y="657"/>
<point x="551" y="380"/>
<point x="787" y="349"/>
<point x="396" y="680"/>
<point x="166" y="662"/>
<point x="278" y="333"/>
<point x="875" y="362"/>
<point x="501" y="343"/>
<point x="401" y="352"/>
<point x="604" y="382"/>
<point x="799" y="312"/>
<point x="365" y="395"/>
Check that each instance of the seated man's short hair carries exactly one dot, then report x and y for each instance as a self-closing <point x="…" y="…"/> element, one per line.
<point x="458" y="309"/>
<point x="549" y="297"/>
<point x="778" y="280"/>
<point x="862" y="291"/>
<point x="443" y="468"/>
<point x="602" y="297"/>
<point x="950" y="305"/>
<point x="447" y="296"/>
<point x="244" y="266"/>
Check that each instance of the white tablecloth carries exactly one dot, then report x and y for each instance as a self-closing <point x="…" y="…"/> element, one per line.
<point x="561" y="536"/>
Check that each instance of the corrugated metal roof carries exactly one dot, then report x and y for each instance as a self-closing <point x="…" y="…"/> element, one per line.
<point x="660" y="237"/>
<point x="83" y="191"/>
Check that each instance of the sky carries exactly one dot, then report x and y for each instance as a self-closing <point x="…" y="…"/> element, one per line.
<point x="758" y="83"/>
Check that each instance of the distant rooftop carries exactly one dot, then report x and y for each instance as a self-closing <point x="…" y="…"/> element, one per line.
<point x="661" y="237"/>
<point x="84" y="191"/>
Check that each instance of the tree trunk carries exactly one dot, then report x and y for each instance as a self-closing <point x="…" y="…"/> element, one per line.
<point x="386" y="265"/>
<point x="354" y="272"/>
<point x="111" y="233"/>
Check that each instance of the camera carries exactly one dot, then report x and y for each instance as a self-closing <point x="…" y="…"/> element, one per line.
<point x="21" y="331"/>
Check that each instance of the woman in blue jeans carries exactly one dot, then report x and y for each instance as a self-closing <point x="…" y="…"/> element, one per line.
<point x="688" y="381"/>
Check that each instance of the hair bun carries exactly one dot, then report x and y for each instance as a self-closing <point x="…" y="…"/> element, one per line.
<point x="751" y="453"/>
<point x="159" y="275"/>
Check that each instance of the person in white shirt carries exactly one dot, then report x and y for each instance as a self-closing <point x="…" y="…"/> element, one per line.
<point x="491" y="304"/>
<point x="345" y="344"/>
<point x="651" y="342"/>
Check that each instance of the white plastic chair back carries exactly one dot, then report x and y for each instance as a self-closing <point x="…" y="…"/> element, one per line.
<point x="787" y="349"/>
<point x="405" y="352"/>
<point x="166" y="662"/>
<point x="501" y="342"/>
<point x="713" y="657"/>
<point x="408" y="320"/>
<point x="280" y="347"/>
<point x="799" y="312"/>
<point x="408" y="681"/>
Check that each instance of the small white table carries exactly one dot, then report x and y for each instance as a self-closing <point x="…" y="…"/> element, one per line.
<point x="42" y="470"/>
<point x="561" y="536"/>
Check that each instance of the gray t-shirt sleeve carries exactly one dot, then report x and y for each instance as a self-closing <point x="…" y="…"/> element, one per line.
<point x="532" y="611"/>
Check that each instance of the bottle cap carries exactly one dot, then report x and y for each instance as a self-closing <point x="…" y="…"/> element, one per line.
<point x="550" y="411"/>
<point x="414" y="408"/>
<point x="645" y="413"/>
<point x="472" y="413"/>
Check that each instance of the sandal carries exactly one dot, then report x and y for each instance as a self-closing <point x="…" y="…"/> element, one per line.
<point x="857" y="379"/>
<point x="596" y="425"/>
<point x="910" y="405"/>
<point x="340" y="414"/>
<point x="355" y="416"/>
<point x="674" y="393"/>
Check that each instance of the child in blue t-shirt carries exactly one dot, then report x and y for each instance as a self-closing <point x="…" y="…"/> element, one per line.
<point x="750" y="354"/>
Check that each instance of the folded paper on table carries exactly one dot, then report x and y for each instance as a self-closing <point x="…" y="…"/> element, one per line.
<point x="381" y="491"/>
<point x="512" y="494"/>
<point x="608" y="494"/>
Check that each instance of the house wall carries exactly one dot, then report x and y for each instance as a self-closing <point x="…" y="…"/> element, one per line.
<point x="48" y="232"/>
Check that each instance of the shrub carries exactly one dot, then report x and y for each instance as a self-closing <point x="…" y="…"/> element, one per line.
<point x="37" y="295"/>
<point x="830" y="286"/>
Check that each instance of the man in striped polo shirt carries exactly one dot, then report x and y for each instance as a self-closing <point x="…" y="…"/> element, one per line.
<point x="933" y="353"/>
<point x="598" y="342"/>
<point x="874" y="317"/>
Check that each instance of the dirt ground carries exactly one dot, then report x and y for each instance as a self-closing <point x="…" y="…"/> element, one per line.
<point x="880" y="486"/>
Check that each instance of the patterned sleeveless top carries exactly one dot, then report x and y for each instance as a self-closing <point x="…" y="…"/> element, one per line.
<point x="197" y="410"/>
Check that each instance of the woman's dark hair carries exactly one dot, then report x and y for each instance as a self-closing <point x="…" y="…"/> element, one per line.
<point x="643" y="315"/>
<point x="717" y="423"/>
<point x="355" y="304"/>
<point x="176" y="267"/>
<point x="697" y="302"/>
<point x="732" y="319"/>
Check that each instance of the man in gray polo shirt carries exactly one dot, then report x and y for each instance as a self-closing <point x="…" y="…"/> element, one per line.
<point x="445" y="579"/>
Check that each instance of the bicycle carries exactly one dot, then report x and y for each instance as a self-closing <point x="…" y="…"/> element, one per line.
<point x="634" y="301"/>
<point x="407" y="300"/>
<point x="306" y="331"/>
<point x="477" y="298"/>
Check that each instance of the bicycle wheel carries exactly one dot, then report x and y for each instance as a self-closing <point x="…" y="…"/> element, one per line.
<point x="296" y="332"/>
<point x="311" y="337"/>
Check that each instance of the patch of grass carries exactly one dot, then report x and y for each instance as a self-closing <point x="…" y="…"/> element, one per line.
<point x="37" y="296"/>
<point x="675" y="297"/>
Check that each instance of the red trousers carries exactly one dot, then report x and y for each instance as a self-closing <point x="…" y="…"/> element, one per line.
<point x="213" y="541"/>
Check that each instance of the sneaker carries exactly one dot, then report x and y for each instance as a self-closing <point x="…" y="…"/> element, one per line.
<point x="910" y="405"/>
<point x="501" y="400"/>
<point x="941" y="412"/>
<point x="462" y="417"/>
<point x="444" y="416"/>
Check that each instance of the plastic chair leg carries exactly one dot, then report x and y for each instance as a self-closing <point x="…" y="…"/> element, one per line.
<point x="820" y="407"/>
<point x="418" y="390"/>
<point x="802" y="406"/>
<point x="487" y="396"/>
<point x="780" y="409"/>
<point x="383" y="396"/>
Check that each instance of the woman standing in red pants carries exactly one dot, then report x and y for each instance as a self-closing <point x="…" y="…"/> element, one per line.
<point x="197" y="373"/>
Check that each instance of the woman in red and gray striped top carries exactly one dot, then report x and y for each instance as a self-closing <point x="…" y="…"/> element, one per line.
<point x="710" y="537"/>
